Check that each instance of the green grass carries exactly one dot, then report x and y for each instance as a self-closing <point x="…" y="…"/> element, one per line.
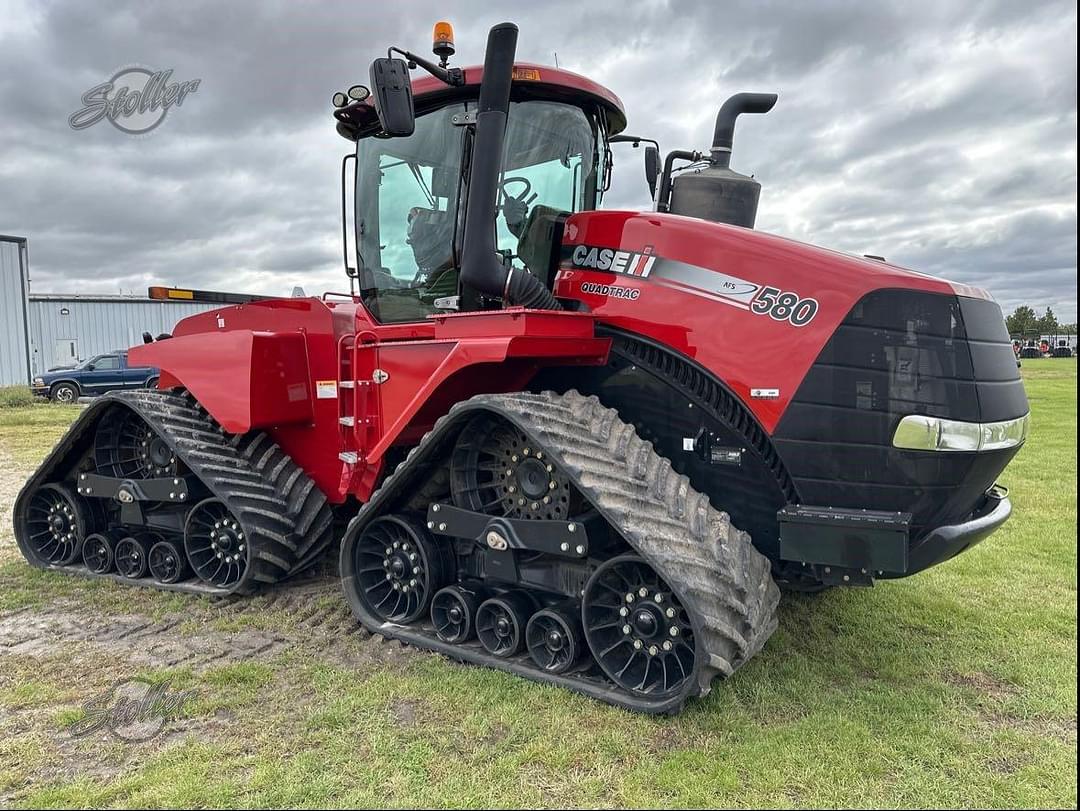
<point x="27" y="432"/>
<point x="956" y="687"/>
<point x="16" y="397"/>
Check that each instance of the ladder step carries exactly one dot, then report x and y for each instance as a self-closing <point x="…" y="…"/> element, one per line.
<point x="349" y="457"/>
<point x="347" y="384"/>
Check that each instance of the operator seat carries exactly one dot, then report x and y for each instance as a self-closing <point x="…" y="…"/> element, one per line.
<point x="541" y="242"/>
<point x="431" y="237"/>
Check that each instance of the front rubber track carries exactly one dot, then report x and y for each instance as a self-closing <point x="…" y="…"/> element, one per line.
<point x="712" y="567"/>
<point x="284" y="515"/>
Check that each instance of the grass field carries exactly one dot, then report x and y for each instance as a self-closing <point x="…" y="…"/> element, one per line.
<point x="953" y="688"/>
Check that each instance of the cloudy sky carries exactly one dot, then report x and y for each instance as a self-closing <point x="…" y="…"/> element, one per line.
<point x="941" y="135"/>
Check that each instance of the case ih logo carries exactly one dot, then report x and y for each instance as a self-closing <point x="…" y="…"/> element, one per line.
<point x="628" y="262"/>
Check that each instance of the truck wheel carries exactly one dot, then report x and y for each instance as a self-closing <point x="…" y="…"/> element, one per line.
<point x="152" y="383"/>
<point x="65" y="393"/>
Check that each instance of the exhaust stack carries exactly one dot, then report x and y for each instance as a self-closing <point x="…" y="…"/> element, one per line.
<point x="718" y="193"/>
<point x="481" y="269"/>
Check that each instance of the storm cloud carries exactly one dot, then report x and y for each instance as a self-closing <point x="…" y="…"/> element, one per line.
<point x="940" y="135"/>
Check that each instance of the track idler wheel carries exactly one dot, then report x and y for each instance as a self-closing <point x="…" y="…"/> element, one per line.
<point x="501" y="621"/>
<point x="554" y="639"/>
<point x="168" y="563"/>
<point x="496" y="469"/>
<point x="133" y="553"/>
<point x="99" y="552"/>
<point x="215" y="544"/>
<point x="55" y="524"/>
<point x="637" y="630"/>
<point x="399" y="568"/>
<point x="452" y="612"/>
<point x="126" y="447"/>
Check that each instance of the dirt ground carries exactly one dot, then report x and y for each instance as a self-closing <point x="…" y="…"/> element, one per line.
<point x="318" y="619"/>
<point x="58" y="640"/>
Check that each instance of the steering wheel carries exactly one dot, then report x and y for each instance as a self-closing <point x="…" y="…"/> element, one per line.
<point x="527" y="187"/>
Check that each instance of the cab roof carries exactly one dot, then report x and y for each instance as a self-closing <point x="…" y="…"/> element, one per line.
<point x="530" y="81"/>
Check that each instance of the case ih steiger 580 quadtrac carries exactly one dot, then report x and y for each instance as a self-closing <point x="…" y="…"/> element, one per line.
<point x="531" y="434"/>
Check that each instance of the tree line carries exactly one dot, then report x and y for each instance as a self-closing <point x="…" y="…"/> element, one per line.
<point x="1024" y="321"/>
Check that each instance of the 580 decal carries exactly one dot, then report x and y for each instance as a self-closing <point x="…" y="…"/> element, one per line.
<point x="708" y="283"/>
<point x="784" y="306"/>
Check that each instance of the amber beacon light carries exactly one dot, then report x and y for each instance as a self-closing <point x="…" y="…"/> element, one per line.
<point x="443" y="41"/>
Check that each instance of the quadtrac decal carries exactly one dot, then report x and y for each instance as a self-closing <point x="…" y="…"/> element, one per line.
<point x="774" y="302"/>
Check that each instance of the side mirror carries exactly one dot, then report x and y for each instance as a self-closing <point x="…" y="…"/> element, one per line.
<point x="393" y="96"/>
<point x="90" y="367"/>
<point x="652" y="167"/>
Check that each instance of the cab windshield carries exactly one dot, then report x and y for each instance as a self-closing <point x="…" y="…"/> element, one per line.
<point x="411" y="193"/>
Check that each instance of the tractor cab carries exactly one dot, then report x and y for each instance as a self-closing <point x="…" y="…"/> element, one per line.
<point x="412" y="183"/>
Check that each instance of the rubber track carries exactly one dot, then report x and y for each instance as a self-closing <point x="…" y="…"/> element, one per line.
<point x="286" y="519"/>
<point x="722" y="581"/>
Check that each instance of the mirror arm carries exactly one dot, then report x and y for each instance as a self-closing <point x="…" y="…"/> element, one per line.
<point x="454" y="77"/>
<point x="632" y="139"/>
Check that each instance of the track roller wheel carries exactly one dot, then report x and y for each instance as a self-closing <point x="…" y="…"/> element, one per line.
<point x="99" y="552"/>
<point x="168" y="563"/>
<point x="215" y="544"/>
<point x="55" y="524"/>
<point x="553" y="637"/>
<point x="452" y="612"/>
<point x="500" y="623"/>
<point x="399" y="568"/>
<point x="637" y="630"/>
<point x="132" y="554"/>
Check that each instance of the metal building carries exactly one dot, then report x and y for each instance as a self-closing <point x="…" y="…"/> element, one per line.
<point x="65" y="329"/>
<point x="14" y="320"/>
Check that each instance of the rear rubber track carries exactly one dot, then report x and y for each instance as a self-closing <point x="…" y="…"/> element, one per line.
<point x="283" y="514"/>
<point x="718" y="576"/>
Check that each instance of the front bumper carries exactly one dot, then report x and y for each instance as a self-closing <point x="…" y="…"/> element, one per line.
<point x="855" y="546"/>
<point x="39" y="391"/>
<point x="949" y="541"/>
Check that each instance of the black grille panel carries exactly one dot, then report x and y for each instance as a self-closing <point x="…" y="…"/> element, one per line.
<point x="901" y="352"/>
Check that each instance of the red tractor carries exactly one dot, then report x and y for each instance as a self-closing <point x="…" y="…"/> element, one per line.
<point x="531" y="439"/>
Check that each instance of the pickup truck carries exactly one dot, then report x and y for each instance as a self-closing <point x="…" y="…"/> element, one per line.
<point x="97" y="375"/>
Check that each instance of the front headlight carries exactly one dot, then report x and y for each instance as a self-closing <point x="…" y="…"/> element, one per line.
<point x="39" y="381"/>
<point x="918" y="432"/>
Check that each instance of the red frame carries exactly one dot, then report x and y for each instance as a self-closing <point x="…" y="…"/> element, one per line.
<point x="277" y="365"/>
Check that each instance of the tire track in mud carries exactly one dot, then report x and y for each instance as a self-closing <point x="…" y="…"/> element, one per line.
<point x="309" y="616"/>
<point x="309" y="613"/>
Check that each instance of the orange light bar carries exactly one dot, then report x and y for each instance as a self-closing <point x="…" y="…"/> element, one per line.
<point x="212" y="296"/>
<point x="526" y="75"/>
<point x="170" y="293"/>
